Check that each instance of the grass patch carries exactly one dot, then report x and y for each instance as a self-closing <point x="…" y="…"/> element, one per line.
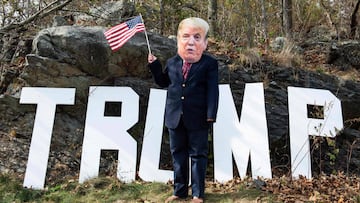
<point x="288" y="56"/>
<point x="104" y="189"/>
<point x="110" y="190"/>
<point x="12" y="191"/>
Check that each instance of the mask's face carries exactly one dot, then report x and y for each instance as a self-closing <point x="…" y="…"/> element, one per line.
<point x="191" y="42"/>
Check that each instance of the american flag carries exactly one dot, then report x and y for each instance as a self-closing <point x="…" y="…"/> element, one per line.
<point x="120" y="34"/>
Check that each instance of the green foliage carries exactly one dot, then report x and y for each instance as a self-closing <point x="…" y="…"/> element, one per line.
<point x="334" y="152"/>
<point x="12" y="191"/>
<point x="320" y="70"/>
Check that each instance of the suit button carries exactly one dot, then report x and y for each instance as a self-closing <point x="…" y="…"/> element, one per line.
<point x="183" y="85"/>
<point x="182" y="98"/>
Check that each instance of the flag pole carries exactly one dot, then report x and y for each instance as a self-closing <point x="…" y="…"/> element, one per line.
<point x="146" y="36"/>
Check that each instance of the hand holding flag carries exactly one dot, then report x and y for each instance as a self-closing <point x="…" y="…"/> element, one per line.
<point x="120" y="34"/>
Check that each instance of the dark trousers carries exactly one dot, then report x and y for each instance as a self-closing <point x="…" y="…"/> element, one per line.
<point x="185" y="144"/>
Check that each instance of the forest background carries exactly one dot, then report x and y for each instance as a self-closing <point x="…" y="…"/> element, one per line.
<point x="246" y="23"/>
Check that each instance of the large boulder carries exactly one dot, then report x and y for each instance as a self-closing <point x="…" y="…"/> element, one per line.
<point x="345" y="54"/>
<point x="86" y="49"/>
<point x="75" y="56"/>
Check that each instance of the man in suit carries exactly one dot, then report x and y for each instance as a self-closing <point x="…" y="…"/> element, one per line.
<point x="191" y="79"/>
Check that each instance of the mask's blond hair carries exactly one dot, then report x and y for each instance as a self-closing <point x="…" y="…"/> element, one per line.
<point x="194" y="22"/>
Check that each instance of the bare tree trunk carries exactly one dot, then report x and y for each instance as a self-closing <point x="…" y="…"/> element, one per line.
<point x="354" y="23"/>
<point x="162" y="23"/>
<point x="264" y="22"/>
<point x="249" y="30"/>
<point x="212" y="16"/>
<point x="281" y="14"/>
<point x="287" y="18"/>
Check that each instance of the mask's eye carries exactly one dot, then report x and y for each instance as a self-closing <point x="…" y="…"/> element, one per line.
<point x="185" y="37"/>
<point x="197" y="37"/>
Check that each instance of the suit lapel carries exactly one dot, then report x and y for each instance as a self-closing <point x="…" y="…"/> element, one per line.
<point x="178" y="68"/>
<point x="194" y="69"/>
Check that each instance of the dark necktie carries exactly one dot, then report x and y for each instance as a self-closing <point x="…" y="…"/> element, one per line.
<point x="185" y="69"/>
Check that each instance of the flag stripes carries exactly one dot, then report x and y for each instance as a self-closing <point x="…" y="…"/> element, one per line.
<point x="118" y="35"/>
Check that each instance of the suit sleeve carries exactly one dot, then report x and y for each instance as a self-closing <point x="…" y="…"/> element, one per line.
<point x="161" y="78"/>
<point x="212" y="90"/>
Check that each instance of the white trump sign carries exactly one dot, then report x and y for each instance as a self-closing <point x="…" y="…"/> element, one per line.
<point x="242" y="138"/>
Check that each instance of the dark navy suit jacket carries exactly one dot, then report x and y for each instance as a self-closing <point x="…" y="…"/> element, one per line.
<point x="196" y="98"/>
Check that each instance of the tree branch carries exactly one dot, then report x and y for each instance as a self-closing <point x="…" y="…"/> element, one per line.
<point x="40" y="14"/>
<point x="354" y="22"/>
